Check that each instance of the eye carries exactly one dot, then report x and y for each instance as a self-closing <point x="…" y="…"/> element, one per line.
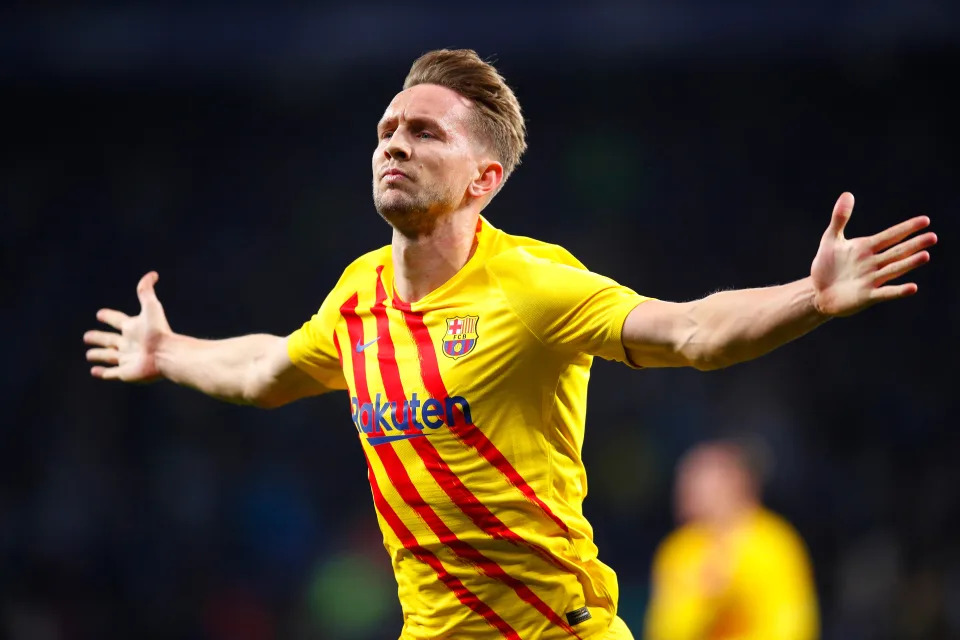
<point x="425" y="135"/>
<point x="386" y="134"/>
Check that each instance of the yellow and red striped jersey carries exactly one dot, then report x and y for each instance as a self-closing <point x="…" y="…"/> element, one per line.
<point x="470" y="406"/>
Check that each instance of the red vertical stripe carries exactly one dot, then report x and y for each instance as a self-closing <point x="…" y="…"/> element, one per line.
<point x="462" y="497"/>
<point x="387" y="357"/>
<point x="468" y="598"/>
<point x="468" y="433"/>
<point x="355" y="330"/>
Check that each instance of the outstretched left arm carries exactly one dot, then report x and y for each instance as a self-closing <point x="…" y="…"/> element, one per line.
<point x="847" y="276"/>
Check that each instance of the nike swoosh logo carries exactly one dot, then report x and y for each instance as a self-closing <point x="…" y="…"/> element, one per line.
<point x="361" y="347"/>
<point x="384" y="439"/>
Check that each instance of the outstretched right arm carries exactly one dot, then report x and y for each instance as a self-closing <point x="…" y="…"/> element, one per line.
<point x="254" y="369"/>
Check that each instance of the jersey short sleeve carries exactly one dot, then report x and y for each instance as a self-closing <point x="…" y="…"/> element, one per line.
<point x="312" y="347"/>
<point x="562" y="303"/>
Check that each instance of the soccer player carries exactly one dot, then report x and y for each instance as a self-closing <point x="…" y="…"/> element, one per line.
<point x="466" y="352"/>
<point x="733" y="569"/>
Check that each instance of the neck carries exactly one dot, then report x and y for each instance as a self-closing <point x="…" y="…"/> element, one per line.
<point x="733" y="517"/>
<point x="423" y="263"/>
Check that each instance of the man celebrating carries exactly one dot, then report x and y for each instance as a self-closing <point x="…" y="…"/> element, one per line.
<point x="466" y="353"/>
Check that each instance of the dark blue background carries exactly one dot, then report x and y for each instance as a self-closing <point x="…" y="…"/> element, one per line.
<point x="678" y="147"/>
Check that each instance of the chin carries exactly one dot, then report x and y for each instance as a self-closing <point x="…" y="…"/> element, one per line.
<point x="412" y="215"/>
<point x="393" y="205"/>
<point x="405" y="216"/>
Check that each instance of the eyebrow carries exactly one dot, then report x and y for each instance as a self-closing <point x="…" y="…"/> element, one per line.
<point x="415" y="122"/>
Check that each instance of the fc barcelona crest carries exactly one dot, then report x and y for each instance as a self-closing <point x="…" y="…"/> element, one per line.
<point x="460" y="337"/>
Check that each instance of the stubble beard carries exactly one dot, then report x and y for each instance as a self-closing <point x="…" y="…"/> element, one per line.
<point x="413" y="214"/>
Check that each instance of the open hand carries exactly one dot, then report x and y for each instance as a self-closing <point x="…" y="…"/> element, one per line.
<point x="850" y="275"/>
<point x="132" y="352"/>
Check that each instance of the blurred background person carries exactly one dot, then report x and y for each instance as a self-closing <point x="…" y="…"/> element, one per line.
<point x="733" y="569"/>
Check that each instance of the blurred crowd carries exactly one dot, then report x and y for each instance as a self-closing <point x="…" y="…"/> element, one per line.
<point x="152" y="512"/>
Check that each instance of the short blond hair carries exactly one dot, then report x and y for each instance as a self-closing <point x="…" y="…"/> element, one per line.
<point x="499" y="119"/>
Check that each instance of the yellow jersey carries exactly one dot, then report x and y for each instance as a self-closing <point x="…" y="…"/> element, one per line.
<point x="470" y="406"/>
<point x="755" y="584"/>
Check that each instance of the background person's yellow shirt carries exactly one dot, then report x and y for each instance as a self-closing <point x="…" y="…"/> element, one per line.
<point x="757" y="584"/>
<point x="470" y="407"/>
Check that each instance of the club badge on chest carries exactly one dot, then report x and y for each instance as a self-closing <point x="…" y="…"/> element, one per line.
<point x="460" y="338"/>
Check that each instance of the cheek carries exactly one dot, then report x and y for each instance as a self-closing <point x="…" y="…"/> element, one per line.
<point x="453" y="171"/>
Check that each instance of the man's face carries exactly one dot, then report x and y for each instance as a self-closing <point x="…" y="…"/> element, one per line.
<point x="426" y="157"/>
<point x="711" y="484"/>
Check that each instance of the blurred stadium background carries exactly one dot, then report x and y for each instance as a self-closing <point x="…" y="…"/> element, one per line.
<point x="680" y="147"/>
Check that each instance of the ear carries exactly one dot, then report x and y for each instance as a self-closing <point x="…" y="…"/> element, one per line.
<point x="488" y="181"/>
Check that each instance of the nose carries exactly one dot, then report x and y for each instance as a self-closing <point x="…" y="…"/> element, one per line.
<point x="397" y="147"/>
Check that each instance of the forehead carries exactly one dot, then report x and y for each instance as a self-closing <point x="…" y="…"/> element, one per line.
<point x="709" y="461"/>
<point x="429" y="101"/>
